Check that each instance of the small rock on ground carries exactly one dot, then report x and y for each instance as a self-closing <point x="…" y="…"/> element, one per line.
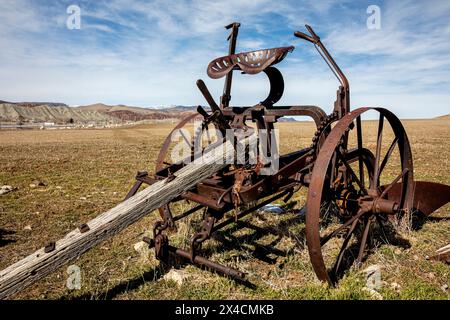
<point x="373" y="277"/>
<point x="373" y="293"/>
<point x="395" y="286"/>
<point x="6" y="189"/>
<point x="140" y="246"/>
<point x="37" y="183"/>
<point x="178" y="276"/>
<point x="143" y="251"/>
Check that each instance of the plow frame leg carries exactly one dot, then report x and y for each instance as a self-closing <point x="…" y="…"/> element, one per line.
<point x="209" y="227"/>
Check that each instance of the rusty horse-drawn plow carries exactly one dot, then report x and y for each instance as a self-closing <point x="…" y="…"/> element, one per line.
<point x="356" y="183"/>
<point x="343" y="181"/>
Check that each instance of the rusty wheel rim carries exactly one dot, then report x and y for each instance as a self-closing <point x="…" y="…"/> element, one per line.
<point x="369" y="197"/>
<point x="161" y="162"/>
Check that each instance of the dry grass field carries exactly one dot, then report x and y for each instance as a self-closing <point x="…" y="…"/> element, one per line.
<point x="86" y="172"/>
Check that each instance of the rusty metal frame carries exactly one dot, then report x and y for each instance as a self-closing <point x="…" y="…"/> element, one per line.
<point x="319" y="167"/>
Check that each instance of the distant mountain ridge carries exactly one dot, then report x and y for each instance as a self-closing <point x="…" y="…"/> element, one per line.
<point x="61" y="113"/>
<point x="131" y="113"/>
<point x="35" y="104"/>
<point x="57" y="113"/>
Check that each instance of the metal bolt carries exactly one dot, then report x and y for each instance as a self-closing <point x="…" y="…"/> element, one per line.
<point x="84" y="228"/>
<point x="50" y="247"/>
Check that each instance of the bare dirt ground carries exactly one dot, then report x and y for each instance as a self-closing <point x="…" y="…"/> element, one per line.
<point x="86" y="172"/>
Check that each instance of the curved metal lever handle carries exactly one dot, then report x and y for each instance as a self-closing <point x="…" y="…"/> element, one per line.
<point x="313" y="38"/>
<point x="311" y="31"/>
<point x="304" y="36"/>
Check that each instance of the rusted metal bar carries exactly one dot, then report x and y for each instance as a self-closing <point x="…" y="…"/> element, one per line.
<point x="248" y="211"/>
<point x="232" y="38"/>
<point x="203" y="200"/>
<point x="201" y="260"/>
<point x="208" y="263"/>
<point x="316" y="113"/>
<point x="188" y="212"/>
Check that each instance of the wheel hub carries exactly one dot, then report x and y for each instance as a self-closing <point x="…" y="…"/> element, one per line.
<point x="378" y="205"/>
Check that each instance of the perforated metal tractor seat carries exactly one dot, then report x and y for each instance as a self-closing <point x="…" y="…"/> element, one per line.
<point x="251" y="62"/>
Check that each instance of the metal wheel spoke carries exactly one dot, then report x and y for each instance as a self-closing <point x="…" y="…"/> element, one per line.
<point x="362" y="246"/>
<point x="360" y="160"/>
<point x="380" y="224"/>
<point x="374" y="182"/>
<point x="401" y="175"/>
<point x="325" y="239"/>
<point x="344" y="246"/>
<point x="186" y="139"/>
<point x="358" y="182"/>
<point x="208" y="135"/>
<point x="333" y="166"/>
<point x="387" y="156"/>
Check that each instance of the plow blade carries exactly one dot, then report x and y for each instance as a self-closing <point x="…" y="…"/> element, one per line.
<point x="428" y="196"/>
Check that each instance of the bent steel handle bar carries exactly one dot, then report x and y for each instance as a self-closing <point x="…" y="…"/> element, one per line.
<point x="315" y="39"/>
<point x="304" y="36"/>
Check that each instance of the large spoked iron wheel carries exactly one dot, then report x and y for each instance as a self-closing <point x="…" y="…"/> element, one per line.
<point x="347" y="195"/>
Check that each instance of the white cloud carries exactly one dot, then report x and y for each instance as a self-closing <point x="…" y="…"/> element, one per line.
<point x="151" y="53"/>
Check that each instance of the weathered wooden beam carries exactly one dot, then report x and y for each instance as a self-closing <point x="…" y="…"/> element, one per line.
<point x="40" y="264"/>
<point x="442" y="254"/>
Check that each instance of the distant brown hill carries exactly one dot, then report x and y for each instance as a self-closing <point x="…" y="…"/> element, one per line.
<point x="60" y="114"/>
<point x="99" y="112"/>
<point x="100" y="107"/>
<point x="444" y="117"/>
<point x="129" y="113"/>
<point x="35" y="104"/>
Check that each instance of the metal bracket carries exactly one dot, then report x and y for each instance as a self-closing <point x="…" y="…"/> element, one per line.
<point x="50" y="247"/>
<point x="84" y="228"/>
<point x="161" y="247"/>
<point x="200" y="237"/>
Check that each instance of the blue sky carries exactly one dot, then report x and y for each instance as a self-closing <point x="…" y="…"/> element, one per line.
<point x="150" y="53"/>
